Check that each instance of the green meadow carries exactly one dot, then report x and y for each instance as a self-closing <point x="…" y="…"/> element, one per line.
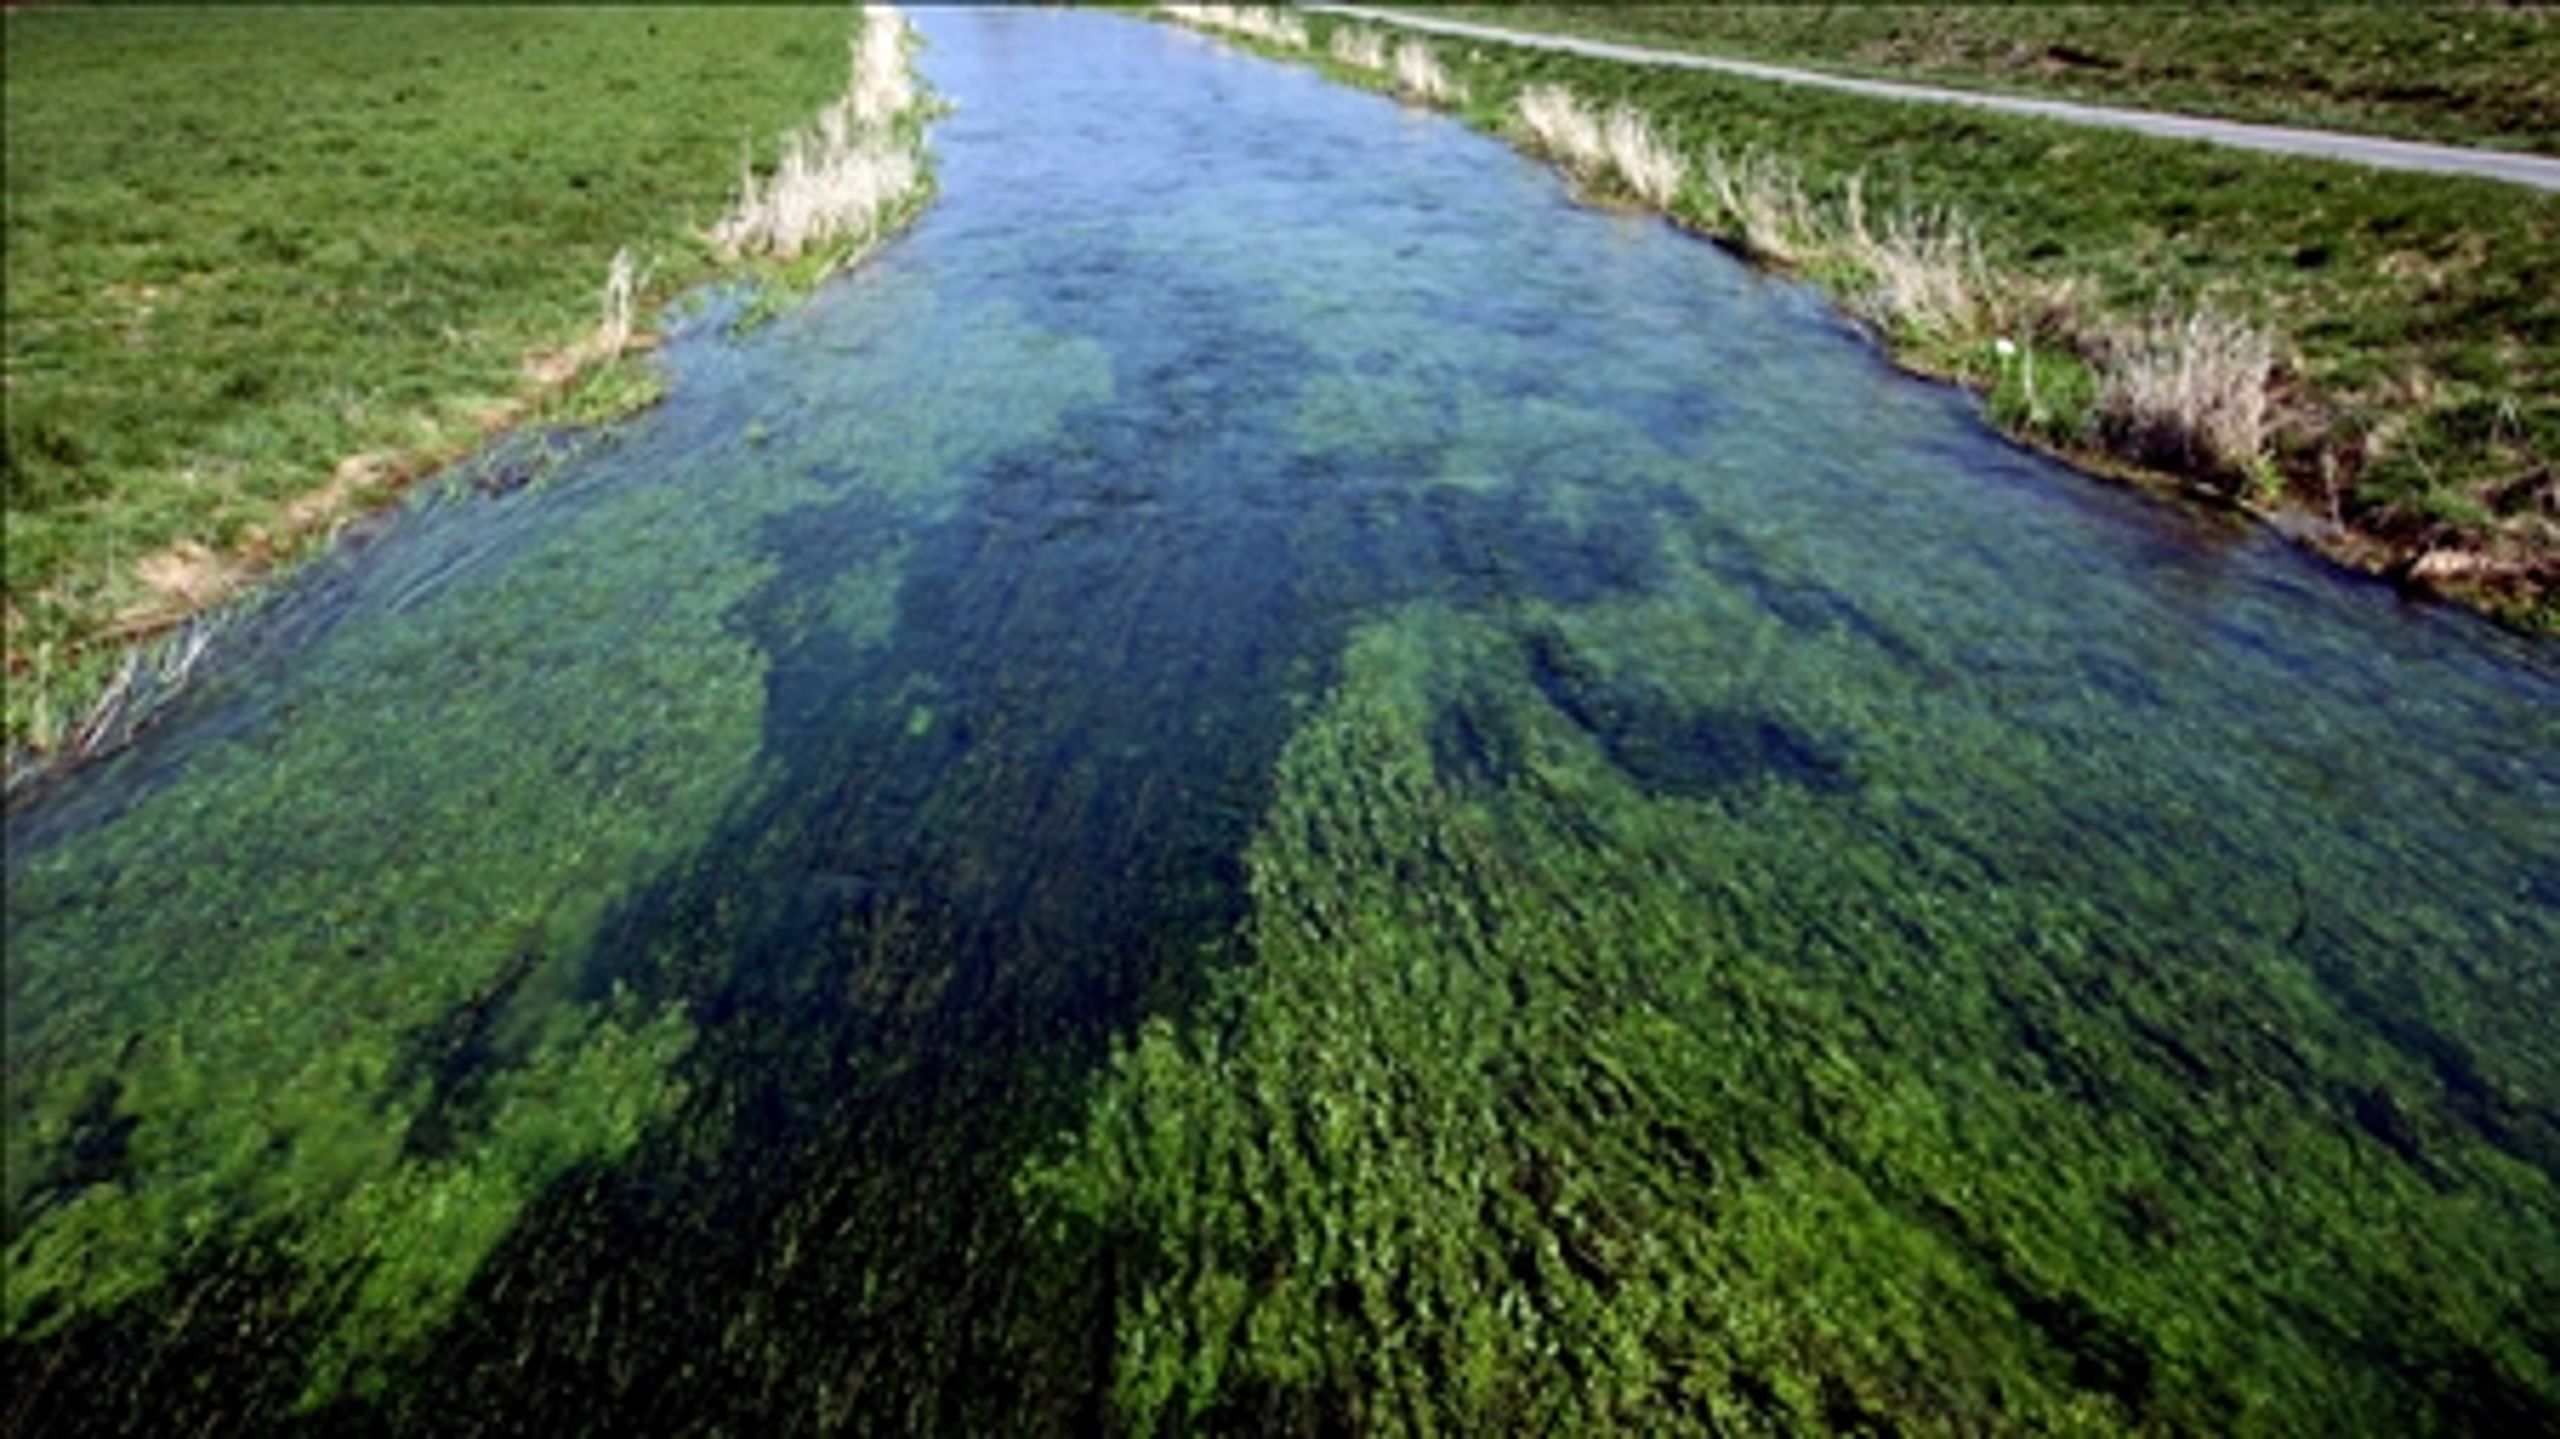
<point x="2458" y="74"/>
<point x="266" y="266"/>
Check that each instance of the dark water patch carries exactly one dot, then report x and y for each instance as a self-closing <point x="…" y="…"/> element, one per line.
<point x="1474" y="746"/>
<point x="1802" y="602"/>
<point x="2525" y="1131"/>
<point x="1494" y="547"/>
<point x="222" y="1338"/>
<point x="1672" y="748"/>
<point x="93" y="1150"/>
<point x="453" y="1058"/>
<point x="996" y="839"/>
<point x="2100" y="1353"/>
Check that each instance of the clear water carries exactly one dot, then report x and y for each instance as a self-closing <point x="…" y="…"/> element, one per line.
<point x="1269" y="779"/>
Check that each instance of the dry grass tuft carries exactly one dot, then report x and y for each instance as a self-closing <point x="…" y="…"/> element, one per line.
<point x="1562" y="130"/>
<point x="1360" y="47"/>
<point x="883" y="89"/>
<point x="1925" y="266"/>
<point x="838" y="178"/>
<point x="1763" y="201"/>
<point x="1650" y="169"/>
<point x="622" y="280"/>
<point x="1255" y="22"/>
<point x="2190" y="392"/>
<point x="1591" y="149"/>
<point x="1419" y="75"/>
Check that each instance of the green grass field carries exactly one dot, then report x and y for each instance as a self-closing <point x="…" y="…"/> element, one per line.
<point x="2416" y="319"/>
<point x="2460" y="74"/>
<point x="245" y="247"/>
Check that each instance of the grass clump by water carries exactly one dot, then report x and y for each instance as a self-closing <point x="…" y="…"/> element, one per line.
<point x="850" y="175"/>
<point x="1620" y="149"/>
<point x="349" y="246"/>
<point x="2191" y="393"/>
<point x="1273" y="27"/>
<point x="2465" y="74"/>
<point x="1359" y="47"/>
<point x="1420" y="77"/>
<point x="2372" y="358"/>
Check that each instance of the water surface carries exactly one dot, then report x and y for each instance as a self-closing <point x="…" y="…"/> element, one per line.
<point x="1269" y="779"/>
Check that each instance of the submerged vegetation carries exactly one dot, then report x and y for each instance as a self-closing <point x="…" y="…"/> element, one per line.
<point x="1577" y="1085"/>
<point x="349" y="249"/>
<point x="2368" y="356"/>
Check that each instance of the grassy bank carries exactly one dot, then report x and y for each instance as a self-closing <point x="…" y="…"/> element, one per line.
<point x="268" y="267"/>
<point x="2459" y="74"/>
<point x="2371" y="359"/>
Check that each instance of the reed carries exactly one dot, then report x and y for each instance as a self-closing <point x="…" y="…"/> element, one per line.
<point x="1762" y="201"/>
<point x="1284" y="29"/>
<point x="838" y="177"/>
<point x="2190" y="391"/>
<point x="1360" y="47"/>
<point x="1924" y="266"/>
<point x="1254" y="22"/>
<point x="1649" y="168"/>
<point x="622" y="281"/>
<point x="883" y="88"/>
<point x="1561" y="129"/>
<point x="1420" y="75"/>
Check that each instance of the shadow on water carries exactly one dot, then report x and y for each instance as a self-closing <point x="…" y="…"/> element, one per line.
<point x="988" y="846"/>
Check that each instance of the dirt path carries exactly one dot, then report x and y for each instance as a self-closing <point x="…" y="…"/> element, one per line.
<point x="2540" y="172"/>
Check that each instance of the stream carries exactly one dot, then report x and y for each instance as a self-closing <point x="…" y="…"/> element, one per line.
<point x="1270" y="779"/>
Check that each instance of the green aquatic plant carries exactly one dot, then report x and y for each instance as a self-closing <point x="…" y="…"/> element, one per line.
<point x="384" y="933"/>
<point x="1564" y="1091"/>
